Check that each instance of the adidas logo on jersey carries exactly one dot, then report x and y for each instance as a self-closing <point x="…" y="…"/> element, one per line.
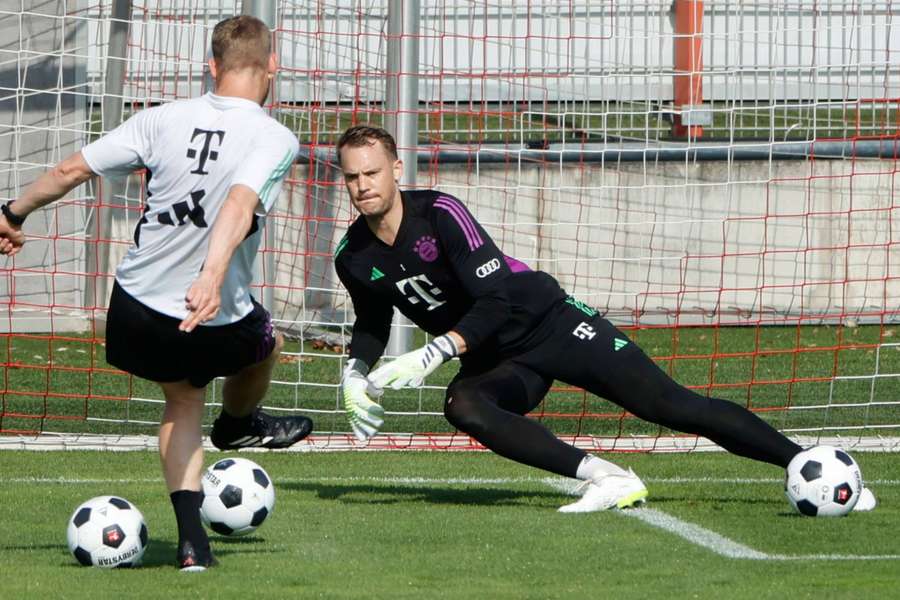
<point x="619" y="343"/>
<point x="376" y="274"/>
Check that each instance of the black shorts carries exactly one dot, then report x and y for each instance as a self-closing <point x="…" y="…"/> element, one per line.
<point x="148" y="344"/>
<point x="574" y="344"/>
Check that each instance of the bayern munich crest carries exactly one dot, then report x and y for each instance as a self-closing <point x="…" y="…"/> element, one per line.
<point x="426" y="248"/>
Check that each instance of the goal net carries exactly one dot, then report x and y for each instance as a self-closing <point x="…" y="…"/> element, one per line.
<point x="719" y="183"/>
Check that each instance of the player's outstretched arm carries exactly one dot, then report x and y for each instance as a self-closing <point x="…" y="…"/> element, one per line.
<point x="49" y="187"/>
<point x="203" y="299"/>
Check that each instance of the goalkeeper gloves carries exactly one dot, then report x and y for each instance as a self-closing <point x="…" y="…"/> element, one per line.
<point x="412" y="368"/>
<point x="365" y="416"/>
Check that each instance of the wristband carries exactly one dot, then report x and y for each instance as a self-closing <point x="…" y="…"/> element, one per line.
<point x="446" y="346"/>
<point x="357" y="366"/>
<point x="13" y="219"/>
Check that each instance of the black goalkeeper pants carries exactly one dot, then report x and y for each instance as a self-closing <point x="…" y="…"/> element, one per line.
<point x="577" y="346"/>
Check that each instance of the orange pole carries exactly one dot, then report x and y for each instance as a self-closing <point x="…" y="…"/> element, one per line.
<point x="688" y="81"/>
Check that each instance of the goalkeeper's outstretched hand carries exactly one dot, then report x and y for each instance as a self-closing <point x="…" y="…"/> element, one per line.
<point x="365" y="416"/>
<point x="411" y="369"/>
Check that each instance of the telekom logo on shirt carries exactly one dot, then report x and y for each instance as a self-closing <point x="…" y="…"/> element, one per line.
<point x="206" y="151"/>
<point x="419" y="288"/>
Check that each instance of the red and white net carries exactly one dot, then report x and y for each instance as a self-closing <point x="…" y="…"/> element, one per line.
<point x="756" y="262"/>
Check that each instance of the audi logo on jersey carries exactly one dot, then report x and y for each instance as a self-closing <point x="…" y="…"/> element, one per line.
<point x="487" y="268"/>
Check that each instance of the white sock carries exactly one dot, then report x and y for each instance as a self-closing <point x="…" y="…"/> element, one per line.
<point x="591" y="467"/>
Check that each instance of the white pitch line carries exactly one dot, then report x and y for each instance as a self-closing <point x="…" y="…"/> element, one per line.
<point x="560" y="483"/>
<point x="841" y="557"/>
<point x="695" y="534"/>
<point x="690" y="532"/>
<point x="705" y="538"/>
<point x="724" y="546"/>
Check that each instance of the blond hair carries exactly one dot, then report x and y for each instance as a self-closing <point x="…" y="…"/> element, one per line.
<point x="241" y="42"/>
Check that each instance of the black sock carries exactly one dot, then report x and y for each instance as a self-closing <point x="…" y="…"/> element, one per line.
<point x="187" y="514"/>
<point x="232" y="423"/>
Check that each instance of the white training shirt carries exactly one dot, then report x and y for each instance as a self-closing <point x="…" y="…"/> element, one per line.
<point x="194" y="151"/>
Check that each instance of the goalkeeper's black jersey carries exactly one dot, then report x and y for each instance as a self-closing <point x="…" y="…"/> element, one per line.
<point x="444" y="273"/>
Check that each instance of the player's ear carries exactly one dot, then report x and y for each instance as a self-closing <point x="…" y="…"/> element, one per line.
<point x="273" y="65"/>
<point x="213" y="68"/>
<point x="398" y="169"/>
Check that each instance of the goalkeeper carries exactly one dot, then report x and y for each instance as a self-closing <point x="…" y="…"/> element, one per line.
<point x="514" y="330"/>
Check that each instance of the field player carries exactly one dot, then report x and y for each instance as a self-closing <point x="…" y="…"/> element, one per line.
<point x="514" y="329"/>
<point x="181" y="312"/>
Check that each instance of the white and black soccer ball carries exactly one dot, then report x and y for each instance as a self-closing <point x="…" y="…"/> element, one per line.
<point x="823" y="481"/>
<point x="238" y="495"/>
<point x="107" y="531"/>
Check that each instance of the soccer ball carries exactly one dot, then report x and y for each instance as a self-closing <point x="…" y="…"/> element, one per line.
<point x="238" y="496"/>
<point x="823" y="481"/>
<point x="107" y="531"/>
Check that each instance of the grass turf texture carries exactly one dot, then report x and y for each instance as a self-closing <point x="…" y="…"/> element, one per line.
<point x="339" y="532"/>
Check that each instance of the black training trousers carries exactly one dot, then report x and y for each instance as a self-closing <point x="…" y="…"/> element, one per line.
<point x="574" y="344"/>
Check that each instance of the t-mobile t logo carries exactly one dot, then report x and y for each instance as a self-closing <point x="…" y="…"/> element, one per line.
<point x="205" y="150"/>
<point x="419" y="292"/>
<point x="584" y="331"/>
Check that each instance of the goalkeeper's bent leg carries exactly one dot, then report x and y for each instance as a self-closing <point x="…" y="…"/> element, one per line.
<point x="606" y="363"/>
<point x="490" y="408"/>
<point x="646" y="391"/>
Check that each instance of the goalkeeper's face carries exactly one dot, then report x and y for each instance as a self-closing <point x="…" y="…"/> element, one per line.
<point x="371" y="175"/>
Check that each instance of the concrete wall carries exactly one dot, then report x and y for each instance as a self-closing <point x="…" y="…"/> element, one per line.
<point x="707" y="243"/>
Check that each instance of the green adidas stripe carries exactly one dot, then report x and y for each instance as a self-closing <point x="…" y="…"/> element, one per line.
<point x="276" y="176"/>
<point x="341" y="245"/>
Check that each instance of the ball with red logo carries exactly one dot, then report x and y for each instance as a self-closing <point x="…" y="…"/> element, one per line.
<point x="107" y="531"/>
<point x="823" y="481"/>
<point x="238" y="495"/>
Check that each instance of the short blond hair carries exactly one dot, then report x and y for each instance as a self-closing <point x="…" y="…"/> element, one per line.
<point x="241" y="42"/>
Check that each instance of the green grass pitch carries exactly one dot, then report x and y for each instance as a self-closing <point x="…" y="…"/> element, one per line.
<point x="457" y="525"/>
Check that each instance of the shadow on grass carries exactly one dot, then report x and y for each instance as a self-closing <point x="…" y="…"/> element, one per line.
<point x="161" y="553"/>
<point x="713" y="501"/>
<point x="25" y="547"/>
<point x="398" y="494"/>
<point x="235" y="541"/>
